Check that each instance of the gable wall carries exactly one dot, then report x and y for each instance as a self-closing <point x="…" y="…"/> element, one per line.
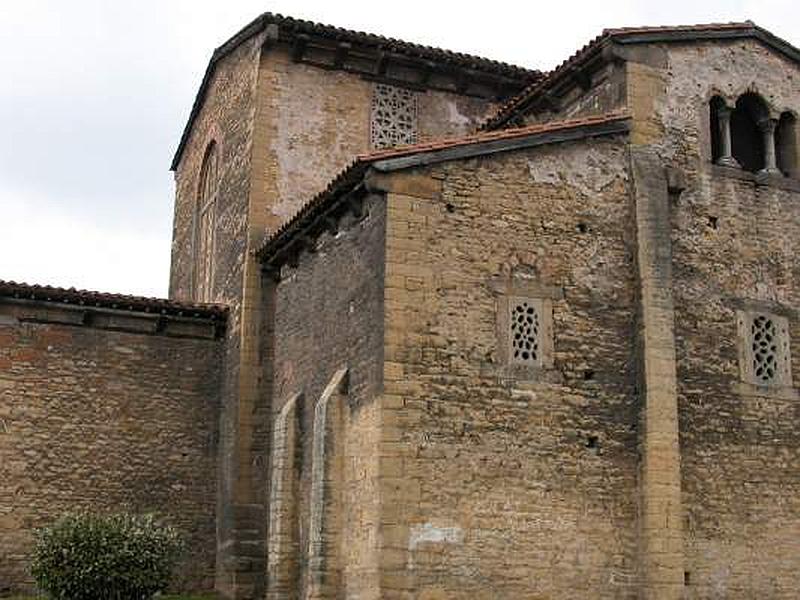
<point x="492" y="489"/>
<point x="733" y="242"/>
<point x="313" y="122"/>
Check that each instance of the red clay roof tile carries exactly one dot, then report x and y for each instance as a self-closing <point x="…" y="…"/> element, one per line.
<point x="512" y="108"/>
<point x="291" y="27"/>
<point x="46" y="293"/>
<point x="354" y="172"/>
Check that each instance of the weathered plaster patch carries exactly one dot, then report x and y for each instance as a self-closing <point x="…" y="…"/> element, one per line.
<point x="586" y="168"/>
<point x="429" y="533"/>
<point x="455" y="117"/>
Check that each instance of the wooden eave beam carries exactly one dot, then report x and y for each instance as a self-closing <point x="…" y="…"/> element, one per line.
<point x="299" y="47"/>
<point x="381" y="63"/>
<point x="426" y="72"/>
<point x="340" y="56"/>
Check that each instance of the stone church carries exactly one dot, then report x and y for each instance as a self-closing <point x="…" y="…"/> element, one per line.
<point x="440" y="327"/>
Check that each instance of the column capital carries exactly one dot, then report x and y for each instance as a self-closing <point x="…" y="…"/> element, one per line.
<point x="724" y="111"/>
<point x="767" y="124"/>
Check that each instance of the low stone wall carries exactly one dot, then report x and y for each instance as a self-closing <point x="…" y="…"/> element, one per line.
<point x="106" y="410"/>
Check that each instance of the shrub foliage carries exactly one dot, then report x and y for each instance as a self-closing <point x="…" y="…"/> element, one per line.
<point x="111" y="557"/>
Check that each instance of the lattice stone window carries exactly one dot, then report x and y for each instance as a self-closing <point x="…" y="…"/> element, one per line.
<point x="524" y="331"/>
<point x="394" y="117"/>
<point x="764" y="349"/>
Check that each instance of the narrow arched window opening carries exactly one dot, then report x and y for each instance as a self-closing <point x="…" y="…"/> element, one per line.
<point x="747" y="140"/>
<point x="717" y="125"/>
<point x="786" y="145"/>
<point x="205" y="227"/>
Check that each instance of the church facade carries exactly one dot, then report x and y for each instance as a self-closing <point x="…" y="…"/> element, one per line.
<point x="441" y="327"/>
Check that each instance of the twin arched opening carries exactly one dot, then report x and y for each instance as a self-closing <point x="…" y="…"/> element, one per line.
<point x="747" y="136"/>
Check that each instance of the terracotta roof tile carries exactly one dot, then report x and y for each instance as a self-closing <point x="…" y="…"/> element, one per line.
<point x="354" y="172"/>
<point x="488" y="136"/>
<point x="738" y="25"/>
<point x="634" y="34"/>
<point x="46" y="293"/>
<point x="399" y="46"/>
<point x="291" y="27"/>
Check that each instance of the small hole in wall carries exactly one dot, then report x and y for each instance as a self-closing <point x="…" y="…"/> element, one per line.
<point x="588" y="375"/>
<point x="592" y="442"/>
<point x="583" y="227"/>
<point x="713" y="222"/>
<point x="687" y="578"/>
<point x="449" y="208"/>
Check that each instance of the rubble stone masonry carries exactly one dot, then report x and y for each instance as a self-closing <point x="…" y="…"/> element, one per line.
<point x="508" y="485"/>
<point x="329" y="315"/>
<point x="105" y="419"/>
<point x="735" y="242"/>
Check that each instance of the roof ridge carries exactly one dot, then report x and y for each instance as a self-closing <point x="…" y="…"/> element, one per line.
<point x="481" y="136"/>
<point x="382" y="39"/>
<point x="735" y="29"/>
<point x="409" y="49"/>
<point x="692" y="27"/>
<point x="72" y="295"/>
<point x="356" y="169"/>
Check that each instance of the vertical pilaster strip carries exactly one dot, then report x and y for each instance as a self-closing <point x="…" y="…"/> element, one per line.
<point x="282" y="552"/>
<point x="661" y="539"/>
<point x="324" y="570"/>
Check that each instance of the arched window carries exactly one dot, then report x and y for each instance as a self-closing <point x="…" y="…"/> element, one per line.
<point x="748" y="119"/>
<point x="718" y="120"/>
<point x="748" y="136"/>
<point x="786" y="145"/>
<point x="205" y="225"/>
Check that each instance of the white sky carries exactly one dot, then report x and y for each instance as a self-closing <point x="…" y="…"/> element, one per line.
<point x="96" y="94"/>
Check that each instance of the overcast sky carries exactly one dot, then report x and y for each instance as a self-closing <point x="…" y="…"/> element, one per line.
<point x="96" y="94"/>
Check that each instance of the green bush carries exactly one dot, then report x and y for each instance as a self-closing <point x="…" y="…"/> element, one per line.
<point x="109" y="557"/>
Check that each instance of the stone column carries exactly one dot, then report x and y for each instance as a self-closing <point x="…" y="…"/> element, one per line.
<point x="767" y="127"/>
<point x="724" y="124"/>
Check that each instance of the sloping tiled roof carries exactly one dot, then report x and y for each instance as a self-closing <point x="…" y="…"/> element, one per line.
<point x="634" y="35"/>
<point x="348" y="178"/>
<point x="290" y="27"/>
<point x="46" y="293"/>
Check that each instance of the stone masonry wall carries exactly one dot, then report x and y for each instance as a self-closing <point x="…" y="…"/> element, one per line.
<point x="227" y="117"/>
<point x="734" y="245"/>
<point x="106" y="420"/>
<point x="317" y="121"/>
<point x="508" y="485"/>
<point x="329" y="315"/>
<point x="605" y="93"/>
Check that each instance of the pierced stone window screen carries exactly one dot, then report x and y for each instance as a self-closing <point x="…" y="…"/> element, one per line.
<point x="524" y="332"/>
<point x="764" y="342"/>
<point x="393" y="120"/>
<point x="206" y="225"/>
